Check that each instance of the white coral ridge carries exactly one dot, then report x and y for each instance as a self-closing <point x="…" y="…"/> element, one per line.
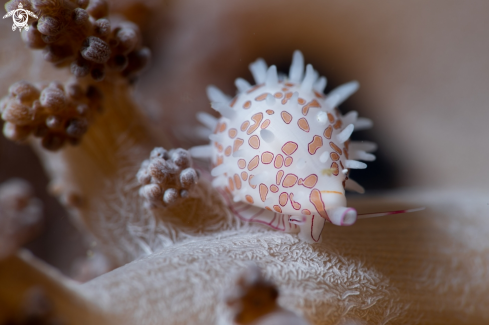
<point x="281" y="151"/>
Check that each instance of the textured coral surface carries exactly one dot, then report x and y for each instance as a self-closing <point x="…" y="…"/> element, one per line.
<point x="423" y="80"/>
<point x="405" y="269"/>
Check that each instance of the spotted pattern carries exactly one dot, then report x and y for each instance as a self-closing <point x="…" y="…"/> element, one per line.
<point x="289" y="148"/>
<point x="279" y="176"/>
<point x="237" y="144"/>
<point x="254" y="88"/>
<point x="290" y="188"/>
<point x="289" y="180"/>
<point x="228" y="151"/>
<point x="295" y="205"/>
<point x="220" y="160"/>
<point x="335" y="148"/>
<point x="247" y="104"/>
<point x="288" y="161"/>
<point x="315" y="144"/>
<point x="241" y="163"/>
<point x="279" y="161"/>
<point x="312" y="103"/>
<point x="286" y="117"/>
<point x="253" y="163"/>
<point x="335" y="169"/>
<point x="237" y="181"/>
<point x="265" y="124"/>
<point x="310" y="181"/>
<point x="232" y="133"/>
<point x="338" y="124"/>
<point x="328" y="132"/>
<point x="254" y="142"/>
<point x="219" y="147"/>
<point x="262" y="97"/>
<point x="244" y="176"/>
<point x="266" y="157"/>
<point x="249" y="181"/>
<point x="283" y="198"/>
<point x="316" y="199"/>
<point x="303" y="125"/>
<point x="257" y="119"/>
<point x="263" y="192"/>
<point x="286" y="98"/>
<point x="217" y="128"/>
<point x="245" y="125"/>
<point x="222" y="128"/>
<point x="330" y="118"/>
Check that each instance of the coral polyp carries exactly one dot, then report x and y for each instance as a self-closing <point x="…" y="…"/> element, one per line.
<point x="281" y="149"/>
<point x="81" y="35"/>
<point x="166" y="178"/>
<point x="57" y="113"/>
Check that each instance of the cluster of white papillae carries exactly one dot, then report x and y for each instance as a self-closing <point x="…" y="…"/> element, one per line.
<point x="166" y="178"/>
<point x="281" y="152"/>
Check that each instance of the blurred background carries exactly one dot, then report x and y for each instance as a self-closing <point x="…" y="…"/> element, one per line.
<point x="423" y="67"/>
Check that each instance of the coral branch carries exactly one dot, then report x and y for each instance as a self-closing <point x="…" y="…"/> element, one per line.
<point x="56" y="113"/>
<point x="20" y="215"/>
<point x="37" y="308"/>
<point x="96" y="180"/>
<point x="33" y="292"/>
<point x="79" y="34"/>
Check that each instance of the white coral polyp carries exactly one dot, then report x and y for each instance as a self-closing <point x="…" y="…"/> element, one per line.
<point x="280" y="152"/>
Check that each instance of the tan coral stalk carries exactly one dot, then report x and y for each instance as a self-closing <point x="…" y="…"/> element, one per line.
<point x="22" y="275"/>
<point x="20" y="215"/>
<point x="97" y="178"/>
<point x="97" y="181"/>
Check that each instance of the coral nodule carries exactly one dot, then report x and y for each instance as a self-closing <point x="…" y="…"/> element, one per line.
<point x="76" y="35"/>
<point x="80" y="35"/>
<point x="166" y="178"/>
<point x="55" y="112"/>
